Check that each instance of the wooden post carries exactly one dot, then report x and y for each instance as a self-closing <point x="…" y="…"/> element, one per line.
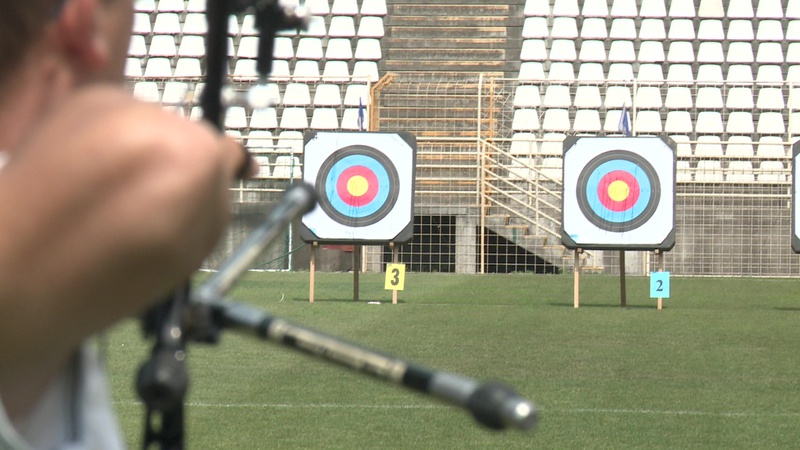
<point x="622" y="300"/>
<point x="395" y="259"/>
<point x="311" y="269"/>
<point x="576" y="270"/>
<point x="356" y="269"/>
<point x="660" y="255"/>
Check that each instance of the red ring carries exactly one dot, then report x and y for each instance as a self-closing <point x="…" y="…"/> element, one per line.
<point x="617" y="205"/>
<point x="357" y="200"/>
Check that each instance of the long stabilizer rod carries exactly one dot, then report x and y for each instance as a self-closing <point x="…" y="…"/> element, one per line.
<point x="493" y="404"/>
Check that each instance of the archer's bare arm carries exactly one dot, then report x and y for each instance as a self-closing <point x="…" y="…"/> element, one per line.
<point x="104" y="209"/>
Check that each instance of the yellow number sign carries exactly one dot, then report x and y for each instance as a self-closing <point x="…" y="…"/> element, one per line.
<point x="395" y="277"/>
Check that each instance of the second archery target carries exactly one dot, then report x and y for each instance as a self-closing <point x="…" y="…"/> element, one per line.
<point x="365" y="185"/>
<point x="619" y="193"/>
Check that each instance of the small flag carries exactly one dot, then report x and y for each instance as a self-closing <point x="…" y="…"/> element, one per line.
<point x="624" y="122"/>
<point x="361" y="124"/>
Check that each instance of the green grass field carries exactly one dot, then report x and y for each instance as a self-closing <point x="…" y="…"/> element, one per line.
<point x="716" y="368"/>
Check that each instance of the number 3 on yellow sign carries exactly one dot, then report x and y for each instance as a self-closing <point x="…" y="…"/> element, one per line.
<point x="395" y="277"/>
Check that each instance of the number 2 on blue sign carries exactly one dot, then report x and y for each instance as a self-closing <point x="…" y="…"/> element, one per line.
<point x="659" y="284"/>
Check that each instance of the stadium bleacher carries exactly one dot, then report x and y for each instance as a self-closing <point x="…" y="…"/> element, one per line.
<point x="698" y="71"/>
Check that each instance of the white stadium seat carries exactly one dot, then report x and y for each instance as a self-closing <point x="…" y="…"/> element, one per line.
<point x="740" y="9"/>
<point x="527" y="96"/>
<point x="371" y="26"/>
<point x="345" y="7"/>
<point x="710" y="30"/>
<point x="324" y="119"/>
<point x="563" y="50"/>
<point x="740" y="122"/>
<point x="708" y="147"/>
<point x="566" y="8"/>
<point x="306" y="71"/>
<point x="322" y="7"/>
<point x="587" y="120"/>
<point x="678" y="122"/>
<point x="740" y="52"/>
<point x="681" y="30"/>
<point x="587" y="97"/>
<point x="343" y="27"/>
<point x="739" y="147"/>
<point x="648" y="97"/>
<point x="592" y="28"/>
<point x="771" y="147"/>
<point x="770" y="98"/>
<point x="739" y="98"/>
<point x="327" y="95"/>
<point x="622" y="28"/>
<point x="709" y="97"/>
<point x="557" y="96"/>
<point x="564" y="28"/>
<point x="294" y="118"/>
<point x="771" y="172"/>
<point x="711" y="8"/>
<point x="682" y="8"/>
<point x="652" y="29"/>
<point x="525" y="120"/>
<point x="708" y="122"/>
<point x="368" y="49"/>
<point x="594" y="8"/>
<point x="316" y="28"/>
<point x="769" y="9"/>
<point x="678" y="97"/>
<point x="771" y="123"/>
<point x="624" y="8"/>
<point x="740" y="30"/>
<point x="556" y="119"/>
<point x="536" y="8"/>
<point x="372" y="7"/>
<point x="647" y="122"/>
<point x="653" y="8"/>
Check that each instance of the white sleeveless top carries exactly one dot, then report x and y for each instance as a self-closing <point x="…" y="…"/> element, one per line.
<point x="74" y="413"/>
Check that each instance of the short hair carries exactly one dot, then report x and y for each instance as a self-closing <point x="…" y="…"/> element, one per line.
<point x="20" y="23"/>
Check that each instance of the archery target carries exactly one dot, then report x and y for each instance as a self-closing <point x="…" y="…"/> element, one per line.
<point x="365" y="185"/>
<point x="618" y="193"/>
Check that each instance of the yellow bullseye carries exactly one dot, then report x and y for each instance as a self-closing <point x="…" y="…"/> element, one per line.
<point x="357" y="186"/>
<point x="618" y="190"/>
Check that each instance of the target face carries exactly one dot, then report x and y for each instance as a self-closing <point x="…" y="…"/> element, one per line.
<point x="618" y="193"/>
<point x="365" y="185"/>
<point x="361" y="186"/>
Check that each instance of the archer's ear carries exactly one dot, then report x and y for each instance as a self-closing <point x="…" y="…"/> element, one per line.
<point x="80" y="36"/>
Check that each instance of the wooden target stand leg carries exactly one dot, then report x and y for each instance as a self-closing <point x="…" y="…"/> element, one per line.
<point x="660" y="256"/>
<point x="576" y="270"/>
<point x="395" y="260"/>
<point x="311" y="269"/>
<point x="356" y="270"/>
<point x="623" y="301"/>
